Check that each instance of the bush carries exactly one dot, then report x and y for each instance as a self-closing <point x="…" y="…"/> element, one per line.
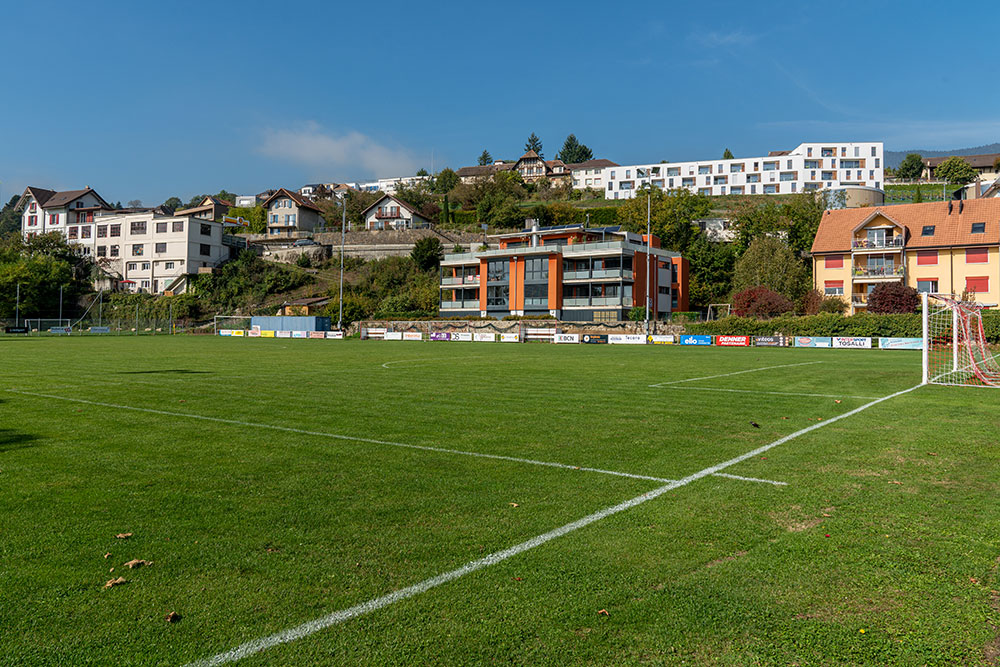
<point x="464" y="219"/>
<point x="637" y="314"/>
<point x="760" y="302"/>
<point x="304" y="261"/>
<point x="427" y="253"/>
<point x="893" y="298"/>
<point x="810" y="302"/>
<point x="824" y="324"/>
<point x="833" y="305"/>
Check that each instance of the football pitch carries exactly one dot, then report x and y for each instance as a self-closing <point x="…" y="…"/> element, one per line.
<point x="380" y="503"/>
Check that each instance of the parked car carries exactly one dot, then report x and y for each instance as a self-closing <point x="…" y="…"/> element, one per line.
<point x="303" y="242"/>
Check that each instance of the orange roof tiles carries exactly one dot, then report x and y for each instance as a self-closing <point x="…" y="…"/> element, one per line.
<point x="836" y="229"/>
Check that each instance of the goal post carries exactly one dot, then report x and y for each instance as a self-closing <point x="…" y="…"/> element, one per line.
<point x="226" y="322"/>
<point x="955" y="349"/>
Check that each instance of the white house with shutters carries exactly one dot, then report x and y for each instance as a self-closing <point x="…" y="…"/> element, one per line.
<point x="44" y="211"/>
<point x="391" y="212"/>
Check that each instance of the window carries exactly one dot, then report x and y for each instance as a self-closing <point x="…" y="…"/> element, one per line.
<point x="873" y="154"/>
<point x="145" y="284"/>
<point x="160" y="247"/>
<point x="857" y="151"/>
<point x="753" y="178"/>
<point x="102" y="231"/>
<point x="927" y="230"/>
<point x="116" y="230"/>
<point x="161" y="228"/>
<point x="205" y="250"/>
<point x="978" y="285"/>
<point x="705" y="169"/>
<point x="809" y="152"/>
<point x="977" y="255"/>
<point x="979" y="228"/>
<point x="833" y="262"/>
<point x="102" y="251"/>
<point x="536" y="295"/>
<point x="612" y="177"/>
<point x="138" y="227"/>
<point x="54" y="219"/>
<point x="927" y="257"/>
<point x="770" y="189"/>
<point x="85" y="232"/>
<point x="929" y="285"/>
<point x="34" y="207"/>
<point x="137" y="250"/>
<point x="736" y="190"/>
<point x="876" y="161"/>
<point x="32" y="220"/>
<point x="168" y="266"/>
<point x="206" y="230"/>
<point x="145" y="266"/>
<point x="177" y="226"/>
<point x="114" y="251"/>
<point x="833" y="288"/>
<point x="132" y="266"/>
<point x="496" y="296"/>
<point x="536" y="269"/>
<point x="73" y="232"/>
<point x="770" y="166"/>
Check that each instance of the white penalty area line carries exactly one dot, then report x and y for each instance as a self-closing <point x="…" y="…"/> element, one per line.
<point x="338" y="436"/>
<point x="750" y="479"/>
<point x="722" y="375"/>
<point x="758" y="391"/>
<point x="409" y="361"/>
<point x="312" y="627"/>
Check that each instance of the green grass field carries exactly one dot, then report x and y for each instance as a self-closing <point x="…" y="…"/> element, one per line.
<point x="881" y="546"/>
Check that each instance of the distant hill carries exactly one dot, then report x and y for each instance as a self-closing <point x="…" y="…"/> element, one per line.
<point x="893" y="158"/>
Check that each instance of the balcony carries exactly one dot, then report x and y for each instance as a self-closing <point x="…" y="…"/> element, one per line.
<point x="451" y="280"/>
<point x="576" y="275"/>
<point x="894" y="243"/>
<point x="859" y="300"/>
<point x="877" y="273"/>
<point x="390" y="214"/>
<point x="459" y="305"/>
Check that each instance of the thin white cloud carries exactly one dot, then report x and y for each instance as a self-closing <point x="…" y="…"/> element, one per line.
<point x="351" y="153"/>
<point x="902" y="133"/>
<point x="715" y="38"/>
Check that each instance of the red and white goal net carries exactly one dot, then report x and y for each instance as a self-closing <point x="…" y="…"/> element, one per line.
<point x="955" y="347"/>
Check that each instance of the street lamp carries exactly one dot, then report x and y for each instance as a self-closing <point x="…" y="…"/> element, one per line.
<point x="649" y="206"/>
<point x="343" y="225"/>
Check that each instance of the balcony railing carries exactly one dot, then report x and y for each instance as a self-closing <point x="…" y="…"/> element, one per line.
<point x="576" y="301"/>
<point x="575" y="275"/>
<point x="867" y="244"/>
<point x="451" y="280"/>
<point x="878" y="272"/>
<point x="391" y="214"/>
<point x="859" y="299"/>
<point x="459" y="305"/>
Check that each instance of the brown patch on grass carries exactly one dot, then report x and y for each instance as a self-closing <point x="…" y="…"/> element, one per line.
<point x="991" y="652"/>
<point x="793" y="521"/>
<point x="725" y="559"/>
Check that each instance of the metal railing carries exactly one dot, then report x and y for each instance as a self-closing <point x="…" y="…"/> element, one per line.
<point x="866" y="244"/>
<point x="878" y="272"/>
<point x="459" y="305"/>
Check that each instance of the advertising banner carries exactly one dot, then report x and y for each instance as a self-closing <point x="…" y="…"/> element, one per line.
<point x="93" y="330"/>
<point x="566" y="338"/>
<point x="660" y="339"/>
<point x="239" y="332"/>
<point x="266" y="333"/>
<point x="412" y="335"/>
<point x="484" y="337"/>
<point x="335" y="335"/>
<point x="22" y="330"/>
<point x="299" y="334"/>
<point x="282" y="334"/>
<point x="393" y="335"/>
<point x="626" y="339"/>
<point x="462" y="336"/>
<point x="374" y="332"/>
<point x="510" y="338"/>
<point x="60" y="330"/>
<point x="689" y="339"/>
<point x="438" y="335"/>
<point x="317" y="334"/>
<point x="901" y="343"/>
<point x="254" y="333"/>
<point x="732" y="341"/>
<point x="814" y="341"/>
<point x="595" y="338"/>
<point x="770" y="341"/>
<point x="857" y="342"/>
<point x="225" y="332"/>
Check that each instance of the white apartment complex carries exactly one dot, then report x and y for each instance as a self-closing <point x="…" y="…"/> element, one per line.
<point x="389" y="185"/>
<point x="810" y="166"/>
<point x="139" y="251"/>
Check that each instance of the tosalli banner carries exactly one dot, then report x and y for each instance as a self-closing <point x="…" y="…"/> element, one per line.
<point x="660" y="339"/>
<point x="732" y="341"/>
<point x="595" y="338"/>
<point x="770" y="341"/>
<point x="852" y="341"/>
<point x="900" y="343"/>
<point x="692" y="339"/>
<point x="566" y="338"/>
<point x="627" y="339"/>
<point x="813" y="341"/>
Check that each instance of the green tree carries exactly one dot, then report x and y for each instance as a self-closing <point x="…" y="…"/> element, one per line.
<point x="417" y="195"/>
<point x="427" y="253"/>
<point x="256" y="216"/>
<point x="728" y="155"/>
<point x="996" y="166"/>
<point x="573" y="151"/>
<point x="422" y="172"/>
<point x="893" y="298"/>
<point x="173" y="203"/>
<point x="499" y="210"/>
<point x="10" y="220"/>
<point x="956" y="170"/>
<point x="770" y="263"/>
<point x="41" y="265"/>
<point x="485" y="158"/>
<point x="446" y="181"/>
<point x="918" y="196"/>
<point x="751" y="220"/>
<point x="711" y="273"/>
<point x="803" y="213"/>
<point x="226" y="195"/>
<point x="672" y="215"/>
<point x="445" y="215"/>
<point x="533" y="144"/>
<point x="911" y="167"/>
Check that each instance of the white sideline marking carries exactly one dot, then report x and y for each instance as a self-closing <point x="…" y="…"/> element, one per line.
<point x="756" y="391"/>
<point x="337" y="436"/>
<point x="750" y="479"/>
<point x="312" y="627"/>
<point x="722" y="375"/>
<point x="404" y="361"/>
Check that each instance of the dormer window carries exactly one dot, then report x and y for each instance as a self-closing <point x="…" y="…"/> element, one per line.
<point x="928" y="230"/>
<point x="79" y="204"/>
<point x="979" y="228"/>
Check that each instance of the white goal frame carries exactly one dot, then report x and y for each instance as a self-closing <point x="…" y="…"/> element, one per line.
<point x="218" y="322"/>
<point x="955" y="351"/>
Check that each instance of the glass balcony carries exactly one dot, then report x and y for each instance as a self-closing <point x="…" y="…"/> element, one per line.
<point x="875" y="244"/>
<point x="888" y="271"/>
<point x="459" y="305"/>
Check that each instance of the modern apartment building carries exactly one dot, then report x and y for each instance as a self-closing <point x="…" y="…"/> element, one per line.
<point x="811" y="166"/>
<point x="389" y="185"/>
<point x="568" y="271"/>
<point x="946" y="247"/>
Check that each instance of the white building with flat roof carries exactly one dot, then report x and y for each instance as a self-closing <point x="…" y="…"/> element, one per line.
<point x="807" y="167"/>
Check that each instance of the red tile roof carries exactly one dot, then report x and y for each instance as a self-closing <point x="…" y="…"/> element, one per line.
<point x="953" y="228"/>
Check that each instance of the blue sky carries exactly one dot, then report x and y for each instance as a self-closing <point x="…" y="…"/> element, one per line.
<point x="150" y="100"/>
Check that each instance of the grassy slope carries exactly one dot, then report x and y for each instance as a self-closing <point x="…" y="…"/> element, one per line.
<point x="718" y="571"/>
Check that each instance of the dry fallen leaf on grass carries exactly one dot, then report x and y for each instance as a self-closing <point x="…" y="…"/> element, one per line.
<point x="123" y="536"/>
<point x="172" y="617"/>
<point x="892" y="481"/>
<point x="513" y="504"/>
<point x="138" y="562"/>
<point x="107" y="555"/>
<point x="932" y="453"/>
<point x="825" y="514"/>
<point x="604" y="612"/>
<point x="111" y="583"/>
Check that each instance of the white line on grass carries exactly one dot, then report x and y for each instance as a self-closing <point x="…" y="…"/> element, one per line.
<point x="405" y="361"/>
<point x="750" y="479"/>
<point x="722" y="375"/>
<point x="756" y="391"/>
<point x="337" y="436"/>
<point x="312" y="627"/>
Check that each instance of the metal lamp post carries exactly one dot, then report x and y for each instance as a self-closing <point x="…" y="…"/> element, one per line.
<point x="649" y="207"/>
<point x="343" y="225"/>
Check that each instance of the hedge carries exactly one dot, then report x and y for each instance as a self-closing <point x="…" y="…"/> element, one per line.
<point x="832" y="324"/>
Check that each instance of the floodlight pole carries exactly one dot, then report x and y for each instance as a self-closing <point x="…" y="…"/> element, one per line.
<point x="649" y="206"/>
<point x="343" y="225"/>
<point x="17" y="307"/>
<point x="60" y="304"/>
